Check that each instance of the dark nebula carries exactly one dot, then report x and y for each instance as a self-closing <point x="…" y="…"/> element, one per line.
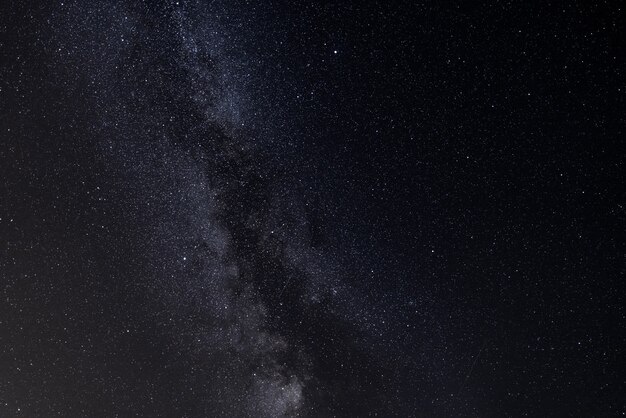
<point x="223" y="208"/>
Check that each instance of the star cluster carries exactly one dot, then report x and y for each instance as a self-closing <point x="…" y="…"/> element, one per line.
<point x="260" y="209"/>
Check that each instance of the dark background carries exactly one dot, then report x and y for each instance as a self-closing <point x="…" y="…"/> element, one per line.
<point x="425" y="200"/>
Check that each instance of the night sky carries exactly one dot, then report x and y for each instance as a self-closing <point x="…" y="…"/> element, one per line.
<point x="231" y="208"/>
